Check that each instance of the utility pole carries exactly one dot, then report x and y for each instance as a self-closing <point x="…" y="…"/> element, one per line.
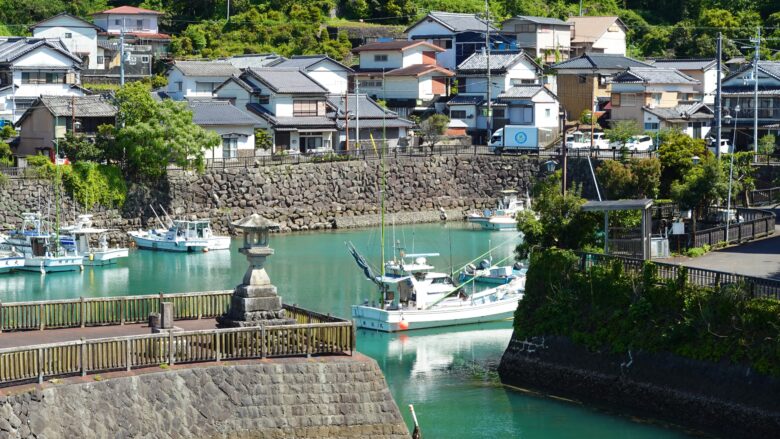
<point x="718" y="98"/>
<point x="122" y="54"/>
<point x="228" y="10"/>
<point x="489" y="84"/>
<point x="346" y="116"/>
<point x="563" y="152"/>
<point x="756" y="57"/>
<point x="357" y="114"/>
<point x="73" y="115"/>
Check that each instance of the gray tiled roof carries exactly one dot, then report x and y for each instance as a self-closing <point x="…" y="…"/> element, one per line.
<point x="304" y="62"/>
<point x="684" y="64"/>
<point x="206" y="68"/>
<point x="465" y="100"/>
<point x="771" y="68"/>
<point x="652" y="75"/>
<point x="256" y="60"/>
<point x="599" y="61"/>
<point x="291" y="81"/>
<point x="12" y="48"/>
<point x="522" y="91"/>
<point x="368" y="107"/>
<point x="541" y="20"/>
<point x="686" y="111"/>
<point x="499" y="62"/>
<point x="456" y="22"/>
<point x="396" y="122"/>
<point x="219" y="113"/>
<point x="86" y="106"/>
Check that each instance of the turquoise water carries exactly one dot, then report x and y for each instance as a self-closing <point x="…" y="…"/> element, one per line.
<point x="446" y="373"/>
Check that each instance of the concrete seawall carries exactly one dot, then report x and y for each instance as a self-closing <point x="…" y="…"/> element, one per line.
<point x="726" y="400"/>
<point x="334" y="397"/>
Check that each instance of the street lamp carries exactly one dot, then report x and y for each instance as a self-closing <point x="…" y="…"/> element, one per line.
<point x="562" y="116"/>
<point x="731" y="170"/>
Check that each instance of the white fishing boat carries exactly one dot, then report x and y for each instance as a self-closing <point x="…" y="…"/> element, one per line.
<point x="79" y="237"/>
<point x="487" y="273"/>
<point x="181" y="236"/>
<point x="40" y="248"/>
<point x="503" y="217"/>
<point x="10" y="259"/>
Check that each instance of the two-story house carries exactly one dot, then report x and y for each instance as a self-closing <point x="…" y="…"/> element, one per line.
<point x="507" y="69"/>
<point x="374" y="121"/>
<point x="659" y="98"/>
<point x="78" y="36"/>
<point x="531" y="105"/>
<point x="234" y="126"/>
<point x="460" y="35"/>
<point x="403" y="73"/>
<point x="31" y="67"/>
<point x="330" y="73"/>
<point x="585" y="81"/>
<point x="198" y="79"/>
<point x="738" y="91"/>
<point x="548" y="39"/>
<point x="51" y="117"/>
<point x="289" y="104"/>
<point x="704" y="70"/>
<point x="598" y="35"/>
<point x="139" y="26"/>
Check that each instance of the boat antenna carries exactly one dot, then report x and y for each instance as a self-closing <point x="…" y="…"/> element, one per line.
<point x="449" y="234"/>
<point x="155" y="215"/>
<point x="381" y="210"/>
<point x="170" y="221"/>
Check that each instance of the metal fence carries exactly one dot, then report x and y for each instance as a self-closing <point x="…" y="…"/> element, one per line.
<point x="752" y="224"/>
<point x="756" y="287"/>
<point x="765" y="196"/>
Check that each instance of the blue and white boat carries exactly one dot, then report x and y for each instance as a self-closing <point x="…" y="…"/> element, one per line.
<point x="504" y="216"/>
<point x="78" y="238"/>
<point x="40" y="248"/>
<point x="10" y="259"/>
<point x="486" y="273"/>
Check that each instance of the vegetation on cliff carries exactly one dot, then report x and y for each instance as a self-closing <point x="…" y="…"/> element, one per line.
<point x="608" y="308"/>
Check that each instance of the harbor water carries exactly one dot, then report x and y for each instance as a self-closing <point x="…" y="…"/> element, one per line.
<point x="447" y="373"/>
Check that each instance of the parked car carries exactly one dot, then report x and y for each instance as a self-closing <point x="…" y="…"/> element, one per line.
<point x="725" y="148"/>
<point x="600" y="140"/>
<point x="635" y="143"/>
<point x="577" y="140"/>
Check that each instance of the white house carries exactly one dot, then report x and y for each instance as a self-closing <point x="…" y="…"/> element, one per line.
<point x="598" y="35"/>
<point x="234" y="126"/>
<point x="703" y="70"/>
<point x="692" y="119"/>
<point x="403" y="73"/>
<point x="78" y="36"/>
<point x="542" y="37"/>
<point x="330" y="73"/>
<point x="31" y="67"/>
<point x="139" y="25"/>
<point x="198" y="79"/>
<point x="373" y="120"/>
<point x="532" y="105"/>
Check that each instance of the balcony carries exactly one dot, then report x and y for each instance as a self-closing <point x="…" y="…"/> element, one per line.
<point x="748" y="113"/>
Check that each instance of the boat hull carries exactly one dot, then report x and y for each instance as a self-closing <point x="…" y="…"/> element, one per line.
<point x="171" y="246"/>
<point x="53" y="264"/>
<point x="11" y="263"/>
<point x="487" y="279"/>
<point x="367" y="317"/>
<point x="105" y="257"/>
<point x="500" y="224"/>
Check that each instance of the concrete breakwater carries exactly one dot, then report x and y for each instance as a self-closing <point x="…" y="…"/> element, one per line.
<point x="300" y="197"/>
<point x="724" y="399"/>
<point x="335" y="397"/>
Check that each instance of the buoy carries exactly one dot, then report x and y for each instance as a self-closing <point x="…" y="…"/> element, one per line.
<point x="91" y="256"/>
<point x="403" y="325"/>
<point x="205" y="249"/>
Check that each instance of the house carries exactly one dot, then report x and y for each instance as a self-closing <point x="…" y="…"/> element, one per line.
<point x="404" y="74"/>
<point x="507" y="69"/>
<point x="531" y="105"/>
<point x="659" y="96"/>
<point x="376" y="122"/>
<point x="288" y="103"/>
<point x="77" y="35"/>
<point x="598" y="35"/>
<point x="234" y="126"/>
<point x="459" y="35"/>
<point x="548" y="39"/>
<point x="50" y="117"/>
<point x="704" y="70"/>
<point x="139" y="63"/>
<point x="330" y="73"/>
<point x="138" y="25"/>
<point x="738" y="90"/>
<point x="31" y="67"/>
<point x="586" y="79"/>
<point x="253" y="60"/>
<point x="197" y="79"/>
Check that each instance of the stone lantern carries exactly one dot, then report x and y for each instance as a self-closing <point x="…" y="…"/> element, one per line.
<point x="255" y="301"/>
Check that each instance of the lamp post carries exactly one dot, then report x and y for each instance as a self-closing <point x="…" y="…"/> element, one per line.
<point x="562" y="116"/>
<point x="731" y="169"/>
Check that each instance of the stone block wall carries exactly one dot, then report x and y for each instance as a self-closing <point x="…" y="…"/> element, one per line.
<point x="344" y="397"/>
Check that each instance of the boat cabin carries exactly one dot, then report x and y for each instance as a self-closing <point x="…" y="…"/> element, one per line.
<point x="191" y="229"/>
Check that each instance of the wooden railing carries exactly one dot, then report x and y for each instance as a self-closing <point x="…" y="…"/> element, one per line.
<point x="84" y="357"/>
<point x="765" y="196"/>
<point x="755" y="224"/>
<point x="755" y="286"/>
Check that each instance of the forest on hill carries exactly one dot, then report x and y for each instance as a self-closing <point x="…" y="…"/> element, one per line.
<point x="673" y="28"/>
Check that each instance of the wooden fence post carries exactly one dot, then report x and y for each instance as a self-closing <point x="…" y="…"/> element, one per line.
<point x="83" y="311"/>
<point x="41" y="314"/>
<point x="84" y="358"/>
<point x="2" y="317"/>
<point x="262" y="342"/>
<point x="308" y="342"/>
<point x="217" y="346"/>
<point x="40" y="366"/>
<point x="171" y="353"/>
<point x="128" y="362"/>
<point x="122" y="311"/>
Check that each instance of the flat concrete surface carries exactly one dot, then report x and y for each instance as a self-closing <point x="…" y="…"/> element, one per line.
<point x="25" y="338"/>
<point x="759" y="258"/>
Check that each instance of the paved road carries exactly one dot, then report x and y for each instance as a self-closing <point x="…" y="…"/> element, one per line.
<point x="758" y="258"/>
<point x="24" y="338"/>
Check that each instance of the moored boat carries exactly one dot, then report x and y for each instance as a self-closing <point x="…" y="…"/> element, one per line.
<point x="504" y="216"/>
<point x="492" y="274"/>
<point x="77" y="238"/>
<point x="40" y="248"/>
<point x="10" y="260"/>
<point x="181" y="236"/>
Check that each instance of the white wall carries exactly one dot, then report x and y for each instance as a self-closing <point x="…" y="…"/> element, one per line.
<point x="336" y="81"/>
<point x="400" y="87"/>
<point x="188" y="84"/>
<point x="231" y="90"/>
<point x="471" y="110"/>
<point x="612" y="42"/>
<point x="394" y="59"/>
<point x="109" y="23"/>
<point x="444" y="59"/>
<point x="83" y="38"/>
<point x="709" y="84"/>
<point x="245" y="142"/>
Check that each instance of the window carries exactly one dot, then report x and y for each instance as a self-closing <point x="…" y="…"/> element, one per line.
<point x="380" y="58"/>
<point x="457" y="114"/>
<point x="43" y="78"/>
<point x="229" y="147"/>
<point x="118" y="22"/>
<point x="205" y="87"/>
<point x="615" y="99"/>
<point x="499" y="113"/>
<point x="629" y="99"/>
<point x="581" y="79"/>
<point x="139" y="24"/>
<point x="263" y="99"/>
<point x="100" y="60"/>
<point x="370" y="83"/>
<point x="462" y="85"/>
<point x="651" y="126"/>
<point x="68" y="35"/>
<point x="526" y="28"/>
<point x="547" y="112"/>
<point x="444" y="43"/>
<point x="523" y="115"/>
<point x="131" y="60"/>
<point x="305" y="108"/>
<point x="655" y="98"/>
<point x="518" y="81"/>
<point x="179" y="86"/>
<point x="145" y="59"/>
<point x="310" y="143"/>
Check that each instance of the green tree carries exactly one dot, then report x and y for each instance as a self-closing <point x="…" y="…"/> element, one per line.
<point x="622" y="130"/>
<point x="634" y="179"/>
<point x="701" y="186"/>
<point x="677" y="152"/>
<point x="78" y="149"/>
<point x="433" y="128"/>
<point x="766" y="145"/>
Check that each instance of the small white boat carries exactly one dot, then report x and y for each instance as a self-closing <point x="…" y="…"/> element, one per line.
<point x="78" y="236"/>
<point x="492" y="274"/>
<point x="40" y="249"/>
<point x="181" y="236"/>
<point x="503" y="217"/>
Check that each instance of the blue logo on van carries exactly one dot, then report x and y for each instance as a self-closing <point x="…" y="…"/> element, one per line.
<point x="521" y="137"/>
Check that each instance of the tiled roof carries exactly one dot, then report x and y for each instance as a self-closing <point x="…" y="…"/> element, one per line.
<point x="86" y="106"/>
<point x="206" y="68"/>
<point x="455" y="22"/>
<point x="395" y="122"/>
<point x="13" y="48"/>
<point x="540" y="20"/>
<point x="286" y="80"/>
<point x="304" y="62"/>
<point x="368" y="107"/>
<point x="290" y="122"/>
<point x="682" y="112"/>
<point x="216" y="112"/>
<point x="771" y="68"/>
<point x="256" y="60"/>
<point x="499" y="62"/>
<point x="652" y="75"/>
<point x="465" y="100"/>
<point x="589" y="29"/>
<point x="129" y="10"/>
<point x="419" y="70"/>
<point x="63" y="14"/>
<point x="522" y="91"/>
<point x="684" y="64"/>
<point x="396" y="45"/>
<point x="108" y="45"/>
<point x="599" y="61"/>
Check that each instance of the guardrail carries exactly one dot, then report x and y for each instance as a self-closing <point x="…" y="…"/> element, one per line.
<point x="756" y="224"/>
<point x="83" y="357"/>
<point x="755" y="286"/>
<point x="765" y="196"/>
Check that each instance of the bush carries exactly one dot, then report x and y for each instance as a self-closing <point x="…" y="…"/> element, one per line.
<point x="695" y="252"/>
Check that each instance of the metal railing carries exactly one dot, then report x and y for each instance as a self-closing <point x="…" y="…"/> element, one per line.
<point x="28" y="363"/>
<point x="756" y="287"/>
<point x="753" y="224"/>
<point x="765" y="196"/>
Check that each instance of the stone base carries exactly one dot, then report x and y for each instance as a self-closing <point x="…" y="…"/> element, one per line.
<point x="166" y="331"/>
<point x="223" y="322"/>
<point x="236" y="319"/>
<point x="244" y="305"/>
